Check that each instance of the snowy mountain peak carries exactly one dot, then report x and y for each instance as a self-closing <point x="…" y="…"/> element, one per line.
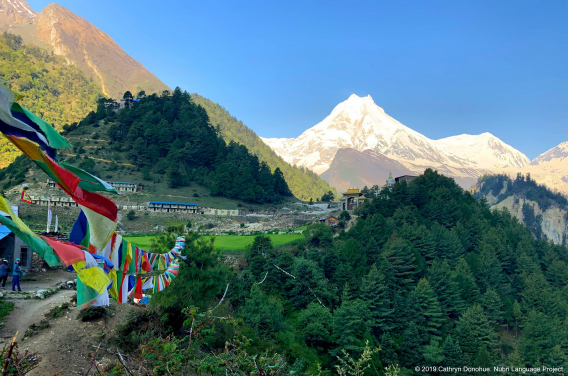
<point x="360" y="124"/>
<point x="17" y="11"/>
<point x="559" y="152"/>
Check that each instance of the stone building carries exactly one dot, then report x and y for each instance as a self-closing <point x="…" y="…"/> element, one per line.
<point x="172" y="207"/>
<point x="12" y="247"/>
<point x="406" y="178"/>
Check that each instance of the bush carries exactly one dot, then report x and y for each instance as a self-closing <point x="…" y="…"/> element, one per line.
<point x="131" y="215"/>
<point x="345" y="216"/>
<point x="57" y="311"/>
<point x="93" y="313"/>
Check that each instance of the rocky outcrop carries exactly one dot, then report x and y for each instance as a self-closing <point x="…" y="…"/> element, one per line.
<point x="554" y="220"/>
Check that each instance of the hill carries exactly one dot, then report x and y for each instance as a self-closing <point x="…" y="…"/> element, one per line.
<point x="171" y="136"/>
<point x="426" y="272"/>
<point x="543" y="211"/>
<point x="58" y="92"/>
<point x="81" y="44"/>
<point x="303" y="183"/>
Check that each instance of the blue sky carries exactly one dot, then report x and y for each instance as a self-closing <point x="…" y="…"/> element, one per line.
<point x="440" y="67"/>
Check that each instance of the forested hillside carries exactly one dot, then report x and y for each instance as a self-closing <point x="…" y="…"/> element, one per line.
<point x="303" y="183"/>
<point x="501" y="187"/>
<point x="52" y="89"/>
<point x="171" y="136"/>
<point x="428" y="273"/>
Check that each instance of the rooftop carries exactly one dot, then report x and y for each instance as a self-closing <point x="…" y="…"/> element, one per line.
<point x="171" y="203"/>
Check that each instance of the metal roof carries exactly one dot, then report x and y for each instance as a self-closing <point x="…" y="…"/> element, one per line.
<point x="4" y="231"/>
<point x="172" y="203"/>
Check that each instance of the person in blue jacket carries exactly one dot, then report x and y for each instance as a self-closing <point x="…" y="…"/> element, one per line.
<point x="4" y="270"/>
<point x="16" y="275"/>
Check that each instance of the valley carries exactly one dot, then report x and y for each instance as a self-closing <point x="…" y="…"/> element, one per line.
<point x="188" y="245"/>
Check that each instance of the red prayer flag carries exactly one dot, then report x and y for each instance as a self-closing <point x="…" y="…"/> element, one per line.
<point x="67" y="252"/>
<point x="138" y="289"/>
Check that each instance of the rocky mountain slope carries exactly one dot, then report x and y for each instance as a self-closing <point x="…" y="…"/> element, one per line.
<point x="352" y="168"/>
<point x="543" y="211"/>
<point x="82" y="44"/>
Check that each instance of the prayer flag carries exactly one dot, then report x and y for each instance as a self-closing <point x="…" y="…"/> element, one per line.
<point x="25" y="197"/>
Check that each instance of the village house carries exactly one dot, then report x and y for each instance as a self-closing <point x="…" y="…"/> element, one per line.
<point x="406" y="178"/>
<point x="120" y="186"/>
<point x="172" y="207"/>
<point x="12" y="247"/>
<point x="329" y="221"/>
<point x="54" y="201"/>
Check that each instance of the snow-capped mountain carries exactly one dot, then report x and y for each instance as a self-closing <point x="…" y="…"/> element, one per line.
<point x="360" y="124"/>
<point x="484" y="150"/>
<point x="17" y="11"/>
<point x="550" y="168"/>
<point x="558" y="153"/>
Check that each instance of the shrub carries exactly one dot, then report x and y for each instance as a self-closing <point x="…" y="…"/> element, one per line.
<point x="93" y="313"/>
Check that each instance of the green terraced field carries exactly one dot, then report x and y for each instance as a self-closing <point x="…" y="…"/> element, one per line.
<point x="225" y="242"/>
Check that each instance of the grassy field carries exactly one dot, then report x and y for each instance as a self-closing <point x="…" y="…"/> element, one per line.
<point x="226" y="242"/>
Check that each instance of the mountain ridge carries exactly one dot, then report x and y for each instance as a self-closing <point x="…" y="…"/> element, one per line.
<point x="360" y="124"/>
<point x="81" y="43"/>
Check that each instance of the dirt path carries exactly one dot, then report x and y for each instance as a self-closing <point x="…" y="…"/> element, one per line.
<point x="31" y="311"/>
<point x="67" y="346"/>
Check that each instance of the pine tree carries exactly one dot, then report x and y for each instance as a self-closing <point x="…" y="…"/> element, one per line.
<point x="309" y="284"/>
<point x="492" y="238"/>
<point x="316" y="324"/>
<point x="490" y="270"/>
<point x="492" y="306"/>
<point x="518" y="315"/>
<point x="539" y="337"/>
<point x="446" y="288"/>
<point x="422" y="240"/>
<point x="430" y="307"/>
<point x="398" y="253"/>
<point x="374" y="295"/>
<point x="263" y="313"/>
<point x="410" y="349"/>
<point x="536" y="294"/>
<point x="388" y="350"/>
<point x="256" y="253"/>
<point x="474" y="331"/>
<point x="453" y="356"/>
<point x="557" y="274"/>
<point x="483" y="358"/>
<point x="433" y="354"/>
<point x="463" y="276"/>
<point x="351" y="326"/>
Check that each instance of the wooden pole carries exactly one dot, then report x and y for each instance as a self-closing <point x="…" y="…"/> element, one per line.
<point x="7" y="362"/>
